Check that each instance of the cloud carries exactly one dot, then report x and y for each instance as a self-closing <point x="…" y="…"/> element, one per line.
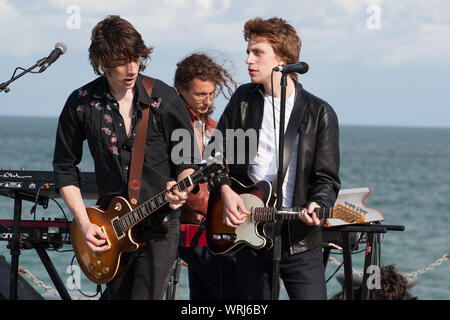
<point x="411" y="31"/>
<point x="426" y="44"/>
<point x="7" y="11"/>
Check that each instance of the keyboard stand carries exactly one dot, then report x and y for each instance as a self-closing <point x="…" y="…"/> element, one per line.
<point x="15" y="253"/>
<point x="372" y="247"/>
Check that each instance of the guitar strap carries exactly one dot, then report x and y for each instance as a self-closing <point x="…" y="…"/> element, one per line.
<point x="291" y="135"/>
<point x="138" y="150"/>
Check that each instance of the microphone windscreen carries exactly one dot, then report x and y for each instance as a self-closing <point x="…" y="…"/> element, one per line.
<point x="62" y="46"/>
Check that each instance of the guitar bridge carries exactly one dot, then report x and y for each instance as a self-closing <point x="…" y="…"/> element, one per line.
<point x="224" y="236"/>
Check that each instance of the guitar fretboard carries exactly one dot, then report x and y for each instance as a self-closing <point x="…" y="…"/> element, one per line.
<point x="135" y="216"/>
<point x="130" y="219"/>
<point x="270" y="214"/>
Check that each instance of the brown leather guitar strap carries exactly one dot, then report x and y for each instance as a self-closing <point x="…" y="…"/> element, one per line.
<point x="138" y="150"/>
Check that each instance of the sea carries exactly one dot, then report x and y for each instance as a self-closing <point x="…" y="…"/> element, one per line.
<point x="407" y="170"/>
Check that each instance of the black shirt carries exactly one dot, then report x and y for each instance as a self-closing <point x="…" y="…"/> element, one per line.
<point x="92" y="113"/>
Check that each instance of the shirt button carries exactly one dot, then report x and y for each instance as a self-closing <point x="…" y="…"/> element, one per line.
<point x="120" y="124"/>
<point x="126" y="168"/>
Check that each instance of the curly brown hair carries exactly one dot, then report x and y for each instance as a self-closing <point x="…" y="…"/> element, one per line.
<point x="201" y="66"/>
<point x="282" y="37"/>
<point x="393" y="285"/>
<point x="114" y="41"/>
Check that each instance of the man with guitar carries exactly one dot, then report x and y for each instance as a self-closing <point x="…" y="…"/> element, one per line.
<point x="198" y="78"/>
<point x="108" y="112"/>
<point x="311" y="178"/>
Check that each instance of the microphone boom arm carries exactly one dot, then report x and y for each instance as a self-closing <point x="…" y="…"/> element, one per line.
<point x="4" y="85"/>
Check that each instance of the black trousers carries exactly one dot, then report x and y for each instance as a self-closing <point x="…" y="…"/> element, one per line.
<point x="303" y="274"/>
<point x="211" y="277"/>
<point x="146" y="275"/>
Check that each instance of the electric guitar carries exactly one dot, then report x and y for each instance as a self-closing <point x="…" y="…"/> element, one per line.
<point x="118" y="221"/>
<point x="257" y="228"/>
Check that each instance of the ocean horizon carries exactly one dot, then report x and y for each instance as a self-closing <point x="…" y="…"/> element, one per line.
<point x="406" y="168"/>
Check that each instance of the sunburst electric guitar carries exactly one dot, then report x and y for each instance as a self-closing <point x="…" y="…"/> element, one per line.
<point x="118" y="221"/>
<point x="257" y="228"/>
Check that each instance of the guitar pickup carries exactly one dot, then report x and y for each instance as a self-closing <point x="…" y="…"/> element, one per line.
<point x="117" y="228"/>
<point x="224" y="236"/>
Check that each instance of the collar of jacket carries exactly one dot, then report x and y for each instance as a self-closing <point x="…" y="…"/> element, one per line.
<point x="209" y="122"/>
<point x="258" y="87"/>
<point x="102" y="90"/>
<point x="256" y="122"/>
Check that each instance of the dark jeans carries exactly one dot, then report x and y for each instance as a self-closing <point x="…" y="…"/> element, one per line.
<point x="303" y="274"/>
<point x="147" y="272"/>
<point x="211" y="277"/>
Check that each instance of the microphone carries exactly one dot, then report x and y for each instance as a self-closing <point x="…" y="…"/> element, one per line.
<point x="60" y="48"/>
<point x="301" y="67"/>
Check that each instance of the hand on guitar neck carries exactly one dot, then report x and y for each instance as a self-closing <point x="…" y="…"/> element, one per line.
<point x="309" y="217"/>
<point x="176" y="198"/>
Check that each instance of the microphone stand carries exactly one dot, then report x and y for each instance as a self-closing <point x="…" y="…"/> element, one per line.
<point x="276" y="257"/>
<point x="4" y="85"/>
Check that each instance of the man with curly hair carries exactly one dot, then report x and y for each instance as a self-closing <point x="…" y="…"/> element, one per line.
<point x="199" y="80"/>
<point x="393" y="285"/>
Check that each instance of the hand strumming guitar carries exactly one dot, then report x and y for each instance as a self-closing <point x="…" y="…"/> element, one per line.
<point x="234" y="211"/>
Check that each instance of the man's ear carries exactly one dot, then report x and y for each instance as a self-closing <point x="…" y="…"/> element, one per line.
<point x="103" y="70"/>
<point x="281" y="62"/>
<point x="180" y="90"/>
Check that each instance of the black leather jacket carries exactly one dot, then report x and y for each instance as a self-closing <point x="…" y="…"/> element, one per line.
<point x="317" y="172"/>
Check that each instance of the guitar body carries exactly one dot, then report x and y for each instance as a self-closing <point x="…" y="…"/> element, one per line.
<point x="223" y="239"/>
<point x="102" y="267"/>
<point x="118" y="223"/>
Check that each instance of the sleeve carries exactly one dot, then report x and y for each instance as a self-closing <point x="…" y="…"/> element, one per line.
<point x="325" y="182"/>
<point x="229" y="119"/>
<point x="68" y="146"/>
<point x="178" y="131"/>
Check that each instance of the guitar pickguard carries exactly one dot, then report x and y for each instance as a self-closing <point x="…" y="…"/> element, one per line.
<point x="248" y="231"/>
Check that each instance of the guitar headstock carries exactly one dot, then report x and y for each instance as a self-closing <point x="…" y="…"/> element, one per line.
<point x="347" y="214"/>
<point x="211" y="170"/>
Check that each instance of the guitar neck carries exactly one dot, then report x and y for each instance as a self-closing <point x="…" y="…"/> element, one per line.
<point x="135" y="216"/>
<point x="270" y="214"/>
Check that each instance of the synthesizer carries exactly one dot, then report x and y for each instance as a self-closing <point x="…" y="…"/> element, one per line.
<point x="47" y="232"/>
<point x="30" y="184"/>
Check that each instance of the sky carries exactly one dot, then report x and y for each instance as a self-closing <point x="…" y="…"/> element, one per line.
<point x="382" y="63"/>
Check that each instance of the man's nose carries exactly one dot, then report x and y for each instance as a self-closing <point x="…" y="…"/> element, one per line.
<point x="208" y="100"/>
<point x="250" y="59"/>
<point x="133" y="67"/>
